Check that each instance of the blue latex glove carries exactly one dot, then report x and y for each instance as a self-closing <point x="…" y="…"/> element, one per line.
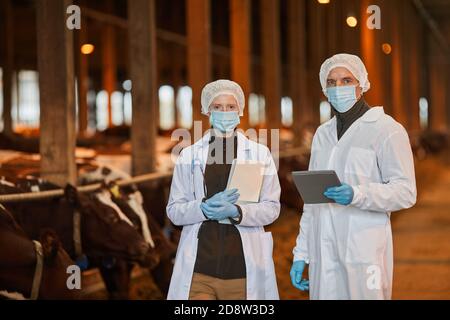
<point x="342" y="194"/>
<point x="296" y="275"/>
<point x="219" y="210"/>
<point x="230" y="196"/>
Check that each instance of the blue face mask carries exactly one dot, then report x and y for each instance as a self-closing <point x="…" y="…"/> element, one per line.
<point x="224" y="121"/>
<point x="342" y="98"/>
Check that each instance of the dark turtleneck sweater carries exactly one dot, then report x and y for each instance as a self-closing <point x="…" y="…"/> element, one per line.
<point x="220" y="253"/>
<point x="346" y="119"/>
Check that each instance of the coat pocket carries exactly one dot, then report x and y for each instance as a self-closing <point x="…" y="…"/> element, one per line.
<point x="367" y="238"/>
<point x="360" y="162"/>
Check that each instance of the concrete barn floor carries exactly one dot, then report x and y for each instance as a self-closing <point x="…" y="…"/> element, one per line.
<point x="421" y="245"/>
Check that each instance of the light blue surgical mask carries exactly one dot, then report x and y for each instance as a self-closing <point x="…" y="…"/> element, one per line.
<point x="224" y="121"/>
<point x="342" y="98"/>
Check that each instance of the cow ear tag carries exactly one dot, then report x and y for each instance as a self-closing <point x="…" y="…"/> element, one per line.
<point x="82" y="262"/>
<point x="115" y="191"/>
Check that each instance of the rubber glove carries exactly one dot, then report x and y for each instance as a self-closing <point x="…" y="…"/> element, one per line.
<point x="296" y="275"/>
<point x="230" y="196"/>
<point x="342" y="194"/>
<point x="219" y="210"/>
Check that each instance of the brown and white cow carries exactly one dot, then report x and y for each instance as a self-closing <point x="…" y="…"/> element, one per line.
<point x="32" y="269"/>
<point x="130" y="201"/>
<point x="103" y="235"/>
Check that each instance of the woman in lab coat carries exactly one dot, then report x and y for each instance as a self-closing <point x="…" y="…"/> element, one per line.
<point x="348" y="244"/>
<point x="217" y="260"/>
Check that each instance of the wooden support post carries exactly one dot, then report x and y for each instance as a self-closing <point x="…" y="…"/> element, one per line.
<point x="405" y="35"/>
<point x="447" y="83"/>
<point x="351" y="36"/>
<point x="142" y="54"/>
<point x="271" y="61"/>
<point x="109" y="63"/>
<point x="372" y="55"/>
<point x="385" y="59"/>
<point x="415" y="66"/>
<point x="332" y="20"/>
<point x="57" y="96"/>
<point x="398" y="54"/>
<point x="198" y="54"/>
<point x="317" y="54"/>
<point x="176" y="76"/>
<point x="298" y="77"/>
<point x="240" y="24"/>
<point x="438" y="80"/>
<point x="8" y="65"/>
<point x="83" y="79"/>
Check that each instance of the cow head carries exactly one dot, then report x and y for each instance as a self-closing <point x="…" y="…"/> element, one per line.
<point x="105" y="233"/>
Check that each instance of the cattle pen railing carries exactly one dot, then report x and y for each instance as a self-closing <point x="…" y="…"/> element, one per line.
<point x="29" y="196"/>
<point x="40" y="195"/>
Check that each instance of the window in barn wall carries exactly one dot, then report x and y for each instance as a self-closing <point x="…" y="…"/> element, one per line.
<point x="1" y="99"/>
<point x="14" y="100"/>
<point x="166" y="107"/>
<point x="127" y="103"/>
<point x="117" y="108"/>
<point x="423" y="112"/>
<point x="184" y="106"/>
<point x="253" y="109"/>
<point x="256" y="109"/>
<point x="101" y="102"/>
<point x="127" y="107"/>
<point x="325" y="111"/>
<point x="286" y="111"/>
<point x="92" y="116"/>
<point x="25" y="107"/>
<point x="262" y="108"/>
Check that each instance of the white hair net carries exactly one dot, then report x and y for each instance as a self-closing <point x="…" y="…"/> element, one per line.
<point x="351" y="62"/>
<point x="222" y="87"/>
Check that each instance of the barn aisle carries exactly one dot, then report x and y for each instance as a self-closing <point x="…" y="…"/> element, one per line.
<point x="422" y="244"/>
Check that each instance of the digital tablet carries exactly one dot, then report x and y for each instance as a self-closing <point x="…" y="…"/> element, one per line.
<point x="312" y="184"/>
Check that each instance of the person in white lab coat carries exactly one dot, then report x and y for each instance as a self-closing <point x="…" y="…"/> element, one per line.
<point x="348" y="244"/>
<point x="216" y="260"/>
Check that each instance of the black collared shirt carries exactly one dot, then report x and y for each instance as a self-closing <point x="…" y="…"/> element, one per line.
<point x="220" y="253"/>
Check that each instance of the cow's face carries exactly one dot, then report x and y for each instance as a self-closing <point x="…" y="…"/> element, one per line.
<point x="104" y="233"/>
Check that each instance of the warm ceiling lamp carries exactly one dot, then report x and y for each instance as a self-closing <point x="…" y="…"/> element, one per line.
<point x="352" y="21"/>
<point x="87" y="48"/>
<point x="386" y="47"/>
<point x="323" y="1"/>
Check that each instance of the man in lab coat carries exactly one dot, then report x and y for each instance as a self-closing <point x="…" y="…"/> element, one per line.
<point x="224" y="252"/>
<point x="348" y="244"/>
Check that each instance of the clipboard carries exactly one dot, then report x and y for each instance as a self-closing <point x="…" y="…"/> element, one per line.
<point x="312" y="184"/>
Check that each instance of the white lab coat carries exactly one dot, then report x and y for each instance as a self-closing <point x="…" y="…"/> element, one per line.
<point x="349" y="248"/>
<point x="183" y="209"/>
